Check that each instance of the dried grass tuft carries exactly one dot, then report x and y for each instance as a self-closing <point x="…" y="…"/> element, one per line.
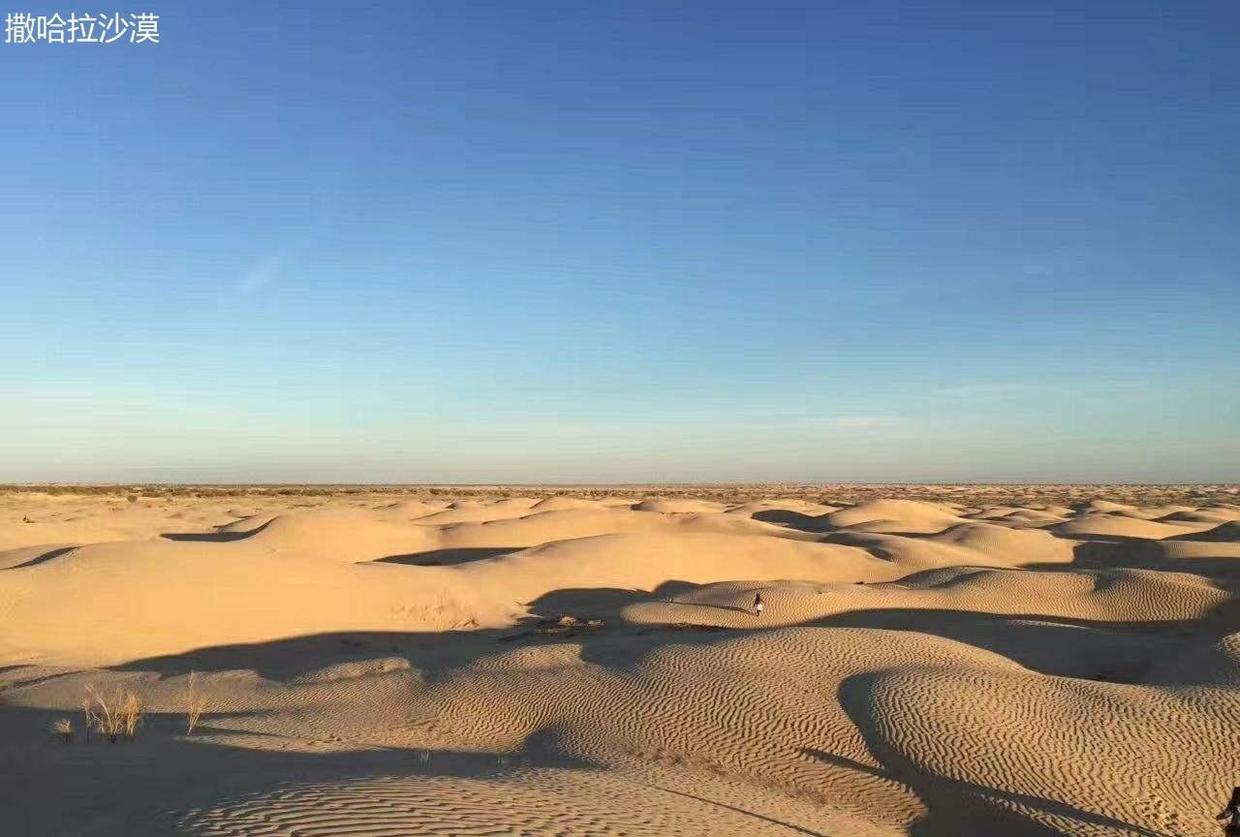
<point x="113" y="717"/>
<point x="195" y="704"/>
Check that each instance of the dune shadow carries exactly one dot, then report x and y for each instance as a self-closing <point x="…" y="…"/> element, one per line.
<point x="46" y="556"/>
<point x="604" y="602"/>
<point x="1114" y="554"/>
<point x="1107" y="554"/>
<point x="218" y="536"/>
<point x="206" y="537"/>
<point x="288" y="659"/>
<point x="1227" y="532"/>
<point x="869" y="541"/>
<point x="793" y="520"/>
<point x="447" y="557"/>
<point x="1101" y="538"/>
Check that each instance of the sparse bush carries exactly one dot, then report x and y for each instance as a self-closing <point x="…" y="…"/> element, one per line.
<point x="64" y="728"/>
<point x="91" y="719"/>
<point x="131" y="714"/>
<point x="194" y="704"/>
<point x="113" y="718"/>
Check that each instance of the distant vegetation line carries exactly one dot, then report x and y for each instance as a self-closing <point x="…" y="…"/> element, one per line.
<point x="824" y="493"/>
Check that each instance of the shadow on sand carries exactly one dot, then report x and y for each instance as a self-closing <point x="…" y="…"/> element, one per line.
<point x="447" y="557"/>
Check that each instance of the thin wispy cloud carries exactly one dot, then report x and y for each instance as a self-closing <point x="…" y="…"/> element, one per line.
<point x="864" y="422"/>
<point x="847" y="423"/>
<point x="710" y="423"/>
<point x="263" y="272"/>
<point x="987" y="390"/>
<point x="990" y="389"/>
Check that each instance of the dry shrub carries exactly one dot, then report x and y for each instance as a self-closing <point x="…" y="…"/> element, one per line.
<point x="64" y="728"/>
<point x="131" y="714"/>
<point x="194" y="704"/>
<point x="112" y="717"/>
<point x="92" y="719"/>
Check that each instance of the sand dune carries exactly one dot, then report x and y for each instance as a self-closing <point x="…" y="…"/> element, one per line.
<point x="972" y="662"/>
<point x="1126" y="526"/>
<point x="896" y="516"/>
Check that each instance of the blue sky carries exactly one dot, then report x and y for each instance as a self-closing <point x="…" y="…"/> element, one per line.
<point x="638" y="241"/>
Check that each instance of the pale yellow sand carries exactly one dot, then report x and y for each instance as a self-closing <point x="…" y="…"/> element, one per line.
<point x="931" y="660"/>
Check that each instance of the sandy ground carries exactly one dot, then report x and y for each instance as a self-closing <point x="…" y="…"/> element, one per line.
<point x="931" y="660"/>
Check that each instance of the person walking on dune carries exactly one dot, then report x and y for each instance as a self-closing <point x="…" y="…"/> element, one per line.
<point x="758" y="604"/>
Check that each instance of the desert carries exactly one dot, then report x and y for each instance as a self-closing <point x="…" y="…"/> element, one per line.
<point x="620" y="419"/>
<point x="586" y="660"/>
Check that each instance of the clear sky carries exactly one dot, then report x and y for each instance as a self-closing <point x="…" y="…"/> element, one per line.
<point x="647" y="240"/>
